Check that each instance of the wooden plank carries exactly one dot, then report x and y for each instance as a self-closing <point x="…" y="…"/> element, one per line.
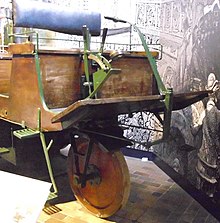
<point x="25" y="99"/>
<point x="22" y="48"/>
<point x="61" y="79"/>
<point x="135" y="78"/>
<point x="5" y="73"/>
<point x="104" y="109"/>
<point x="183" y="100"/>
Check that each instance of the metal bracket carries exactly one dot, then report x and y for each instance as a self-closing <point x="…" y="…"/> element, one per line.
<point x="89" y="173"/>
<point x="46" y="154"/>
<point x="105" y="71"/>
<point x="4" y="150"/>
<point x="168" y="112"/>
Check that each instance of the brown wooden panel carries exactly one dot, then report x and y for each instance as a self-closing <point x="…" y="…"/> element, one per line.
<point x="61" y="79"/>
<point x="135" y="78"/>
<point x="5" y="73"/>
<point x="4" y="100"/>
<point x="21" y="48"/>
<point x="24" y="99"/>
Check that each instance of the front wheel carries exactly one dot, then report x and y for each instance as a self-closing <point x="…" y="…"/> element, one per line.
<point x="107" y="195"/>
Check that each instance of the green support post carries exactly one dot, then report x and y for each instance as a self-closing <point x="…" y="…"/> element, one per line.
<point x="152" y="62"/>
<point x="168" y="112"/>
<point x="46" y="155"/>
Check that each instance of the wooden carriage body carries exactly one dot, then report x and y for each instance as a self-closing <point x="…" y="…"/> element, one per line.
<point x="22" y="92"/>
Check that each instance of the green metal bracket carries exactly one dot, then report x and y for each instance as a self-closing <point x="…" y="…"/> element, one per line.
<point x="46" y="155"/>
<point x="102" y="74"/>
<point x="99" y="78"/>
<point x="152" y="61"/>
<point x="4" y="150"/>
<point x="86" y="38"/>
<point x="168" y="111"/>
<point x="40" y="84"/>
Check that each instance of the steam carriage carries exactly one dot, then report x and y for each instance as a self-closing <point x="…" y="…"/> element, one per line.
<point x="74" y="97"/>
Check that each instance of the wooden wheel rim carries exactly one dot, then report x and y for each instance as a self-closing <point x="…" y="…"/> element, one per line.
<point x="112" y="193"/>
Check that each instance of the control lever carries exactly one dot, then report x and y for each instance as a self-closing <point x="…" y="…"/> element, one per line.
<point x="104" y="34"/>
<point x="115" y="19"/>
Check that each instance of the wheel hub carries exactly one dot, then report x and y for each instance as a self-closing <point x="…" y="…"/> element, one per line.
<point x="92" y="176"/>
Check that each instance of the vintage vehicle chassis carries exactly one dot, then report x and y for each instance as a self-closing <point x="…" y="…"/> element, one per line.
<point x="53" y="98"/>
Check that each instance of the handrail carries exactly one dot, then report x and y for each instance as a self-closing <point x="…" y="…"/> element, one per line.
<point x="23" y="36"/>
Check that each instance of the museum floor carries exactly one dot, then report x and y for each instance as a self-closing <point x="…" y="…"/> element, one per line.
<point x="154" y="198"/>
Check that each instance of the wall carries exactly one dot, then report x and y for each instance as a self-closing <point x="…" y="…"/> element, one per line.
<point x="190" y="37"/>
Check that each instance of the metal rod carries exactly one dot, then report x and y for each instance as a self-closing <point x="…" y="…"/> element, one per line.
<point x="86" y="163"/>
<point x="85" y="55"/>
<point x="74" y="153"/>
<point x="135" y="126"/>
<point x="146" y="144"/>
<point x="45" y="149"/>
